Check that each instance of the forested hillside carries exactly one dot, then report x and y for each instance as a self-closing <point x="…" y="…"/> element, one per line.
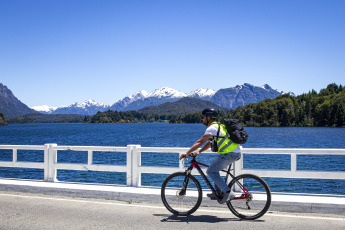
<point x="181" y="107"/>
<point x="48" y="118"/>
<point x="163" y="112"/>
<point x="325" y="108"/>
<point x="123" y="117"/>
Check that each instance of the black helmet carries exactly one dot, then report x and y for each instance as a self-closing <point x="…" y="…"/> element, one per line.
<point x="210" y="112"/>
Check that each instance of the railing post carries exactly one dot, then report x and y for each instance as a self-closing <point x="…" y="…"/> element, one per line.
<point x="293" y="162"/>
<point x="15" y="155"/>
<point x="136" y="162"/>
<point x="50" y="158"/>
<point x="129" y="165"/>
<point x="133" y="163"/>
<point x="46" y="169"/>
<point x="89" y="157"/>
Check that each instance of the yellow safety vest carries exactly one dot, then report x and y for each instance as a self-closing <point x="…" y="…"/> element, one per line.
<point x="225" y="145"/>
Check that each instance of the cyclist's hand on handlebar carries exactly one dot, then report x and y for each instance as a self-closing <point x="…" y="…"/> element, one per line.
<point x="185" y="155"/>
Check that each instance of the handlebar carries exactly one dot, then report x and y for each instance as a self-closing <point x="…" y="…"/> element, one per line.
<point x="190" y="155"/>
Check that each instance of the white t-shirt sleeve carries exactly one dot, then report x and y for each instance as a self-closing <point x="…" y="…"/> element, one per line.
<point x="211" y="130"/>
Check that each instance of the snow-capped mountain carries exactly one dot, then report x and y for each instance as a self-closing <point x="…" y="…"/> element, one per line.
<point x="229" y="98"/>
<point x="205" y="94"/>
<point x="156" y="97"/>
<point x="88" y="104"/>
<point x="45" y="109"/>
<point x="88" y="107"/>
<point x="123" y="103"/>
<point x="166" y="92"/>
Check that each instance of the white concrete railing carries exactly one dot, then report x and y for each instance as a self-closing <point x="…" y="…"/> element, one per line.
<point x="293" y="172"/>
<point x="133" y="168"/>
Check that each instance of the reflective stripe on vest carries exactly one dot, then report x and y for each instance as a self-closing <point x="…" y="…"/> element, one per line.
<point x="225" y="145"/>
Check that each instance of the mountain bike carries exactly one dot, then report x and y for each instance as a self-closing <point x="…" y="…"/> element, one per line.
<point x="181" y="192"/>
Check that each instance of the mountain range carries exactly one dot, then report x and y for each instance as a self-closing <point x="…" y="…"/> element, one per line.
<point x="181" y="107"/>
<point x="230" y="98"/>
<point x="11" y="106"/>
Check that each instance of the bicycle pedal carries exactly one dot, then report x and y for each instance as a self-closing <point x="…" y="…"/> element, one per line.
<point x="211" y="196"/>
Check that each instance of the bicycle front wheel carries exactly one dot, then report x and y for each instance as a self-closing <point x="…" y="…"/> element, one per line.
<point x="181" y="194"/>
<point x="253" y="197"/>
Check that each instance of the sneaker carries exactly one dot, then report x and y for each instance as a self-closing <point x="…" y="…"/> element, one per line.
<point x="227" y="196"/>
<point x="212" y="196"/>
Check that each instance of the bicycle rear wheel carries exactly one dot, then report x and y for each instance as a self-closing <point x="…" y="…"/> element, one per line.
<point x="253" y="197"/>
<point x="181" y="194"/>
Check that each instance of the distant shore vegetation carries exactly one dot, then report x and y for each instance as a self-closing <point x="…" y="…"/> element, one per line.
<point x="125" y="117"/>
<point x="2" y="120"/>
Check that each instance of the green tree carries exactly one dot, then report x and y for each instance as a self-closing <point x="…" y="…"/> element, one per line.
<point x="340" y="115"/>
<point x="322" y="113"/>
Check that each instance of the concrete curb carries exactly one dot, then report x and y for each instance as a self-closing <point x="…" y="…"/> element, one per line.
<point x="283" y="202"/>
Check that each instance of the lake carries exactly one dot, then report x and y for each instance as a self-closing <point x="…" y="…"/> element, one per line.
<point x="173" y="135"/>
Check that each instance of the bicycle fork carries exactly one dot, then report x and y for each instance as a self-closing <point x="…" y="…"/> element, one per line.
<point x="185" y="182"/>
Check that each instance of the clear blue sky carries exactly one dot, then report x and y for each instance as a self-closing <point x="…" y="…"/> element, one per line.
<point x="64" y="51"/>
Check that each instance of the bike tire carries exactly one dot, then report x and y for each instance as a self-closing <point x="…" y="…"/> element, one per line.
<point x="256" y="204"/>
<point x="181" y="205"/>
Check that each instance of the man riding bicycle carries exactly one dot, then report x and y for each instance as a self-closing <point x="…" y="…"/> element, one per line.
<point x="228" y="152"/>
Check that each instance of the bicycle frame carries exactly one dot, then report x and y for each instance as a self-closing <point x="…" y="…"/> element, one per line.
<point x="195" y="164"/>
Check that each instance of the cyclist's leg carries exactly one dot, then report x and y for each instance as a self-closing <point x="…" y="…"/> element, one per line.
<point x="218" y="190"/>
<point x="218" y="164"/>
<point x="212" y="196"/>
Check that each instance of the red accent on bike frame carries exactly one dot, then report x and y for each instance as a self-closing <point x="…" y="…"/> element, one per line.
<point x="246" y="194"/>
<point x="194" y="164"/>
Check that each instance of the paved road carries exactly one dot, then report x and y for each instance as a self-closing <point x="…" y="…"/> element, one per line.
<point x="33" y="211"/>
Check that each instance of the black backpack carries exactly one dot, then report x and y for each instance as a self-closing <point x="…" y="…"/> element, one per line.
<point x="236" y="131"/>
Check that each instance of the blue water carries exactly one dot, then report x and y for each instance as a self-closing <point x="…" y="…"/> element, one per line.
<point x="172" y="135"/>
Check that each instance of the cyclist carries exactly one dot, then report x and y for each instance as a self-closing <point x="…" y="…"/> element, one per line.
<point x="227" y="150"/>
